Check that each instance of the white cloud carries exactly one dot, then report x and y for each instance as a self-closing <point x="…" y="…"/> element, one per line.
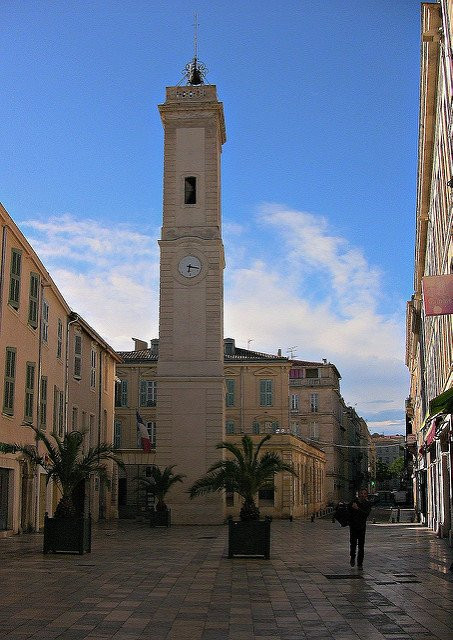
<point x="289" y="282"/>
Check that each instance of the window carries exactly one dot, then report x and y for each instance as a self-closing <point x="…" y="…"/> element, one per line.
<point x="230" y="393"/>
<point x="314" y="405"/>
<point x="229" y="498"/>
<point x="265" y="393"/>
<point x="75" y="418"/>
<point x="93" y="368"/>
<point x="92" y="435"/>
<point x="230" y="427"/>
<point x="294" y="402"/>
<point x="121" y="393"/>
<point x="311" y="373"/>
<point x="10" y="378"/>
<point x="117" y="426"/>
<point x="43" y="404"/>
<point x="296" y="373"/>
<point x="14" y="282"/>
<point x="58" y="411"/>
<point x="33" y="300"/>
<point x="314" y="431"/>
<point x="45" y="321"/>
<point x="59" y="338"/>
<point x="190" y="190"/>
<point x="148" y="393"/>
<point x="256" y="427"/>
<point x="77" y="356"/>
<point x="29" y="391"/>
<point x="266" y="496"/>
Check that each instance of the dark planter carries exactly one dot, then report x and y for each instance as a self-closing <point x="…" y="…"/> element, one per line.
<point x="160" y="518"/>
<point x="249" y="538"/>
<point x="67" y="535"/>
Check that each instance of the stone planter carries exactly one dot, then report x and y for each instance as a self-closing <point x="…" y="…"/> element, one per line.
<point x="160" y="518"/>
<point x="67" y="535"/>
<point x="249" y="538"/>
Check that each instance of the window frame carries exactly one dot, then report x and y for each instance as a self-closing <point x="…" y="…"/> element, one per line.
<point x="43" y="404"/>
<point x="190" y="190"/>
<point x="77" y="356"/>
<point x="147" y="393"/>
<point x="230" y="392"/>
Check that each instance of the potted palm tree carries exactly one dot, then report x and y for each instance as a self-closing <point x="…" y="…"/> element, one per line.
<point x="158" y="484"/>
<point x="245" y="473"/>
<point x="64" y="462"/>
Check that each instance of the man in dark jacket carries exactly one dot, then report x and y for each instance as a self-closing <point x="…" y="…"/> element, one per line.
<point x="359" y="510"/>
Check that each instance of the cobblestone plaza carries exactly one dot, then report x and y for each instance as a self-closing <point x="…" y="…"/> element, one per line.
<point x="178" y="584"/>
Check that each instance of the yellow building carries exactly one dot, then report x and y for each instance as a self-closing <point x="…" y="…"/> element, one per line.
<point x="429" y="334"/>
<point x="39" y="382"/>
<point x="256" y="396"/>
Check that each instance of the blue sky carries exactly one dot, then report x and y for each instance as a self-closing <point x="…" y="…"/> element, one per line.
<point x="318" y="171"/>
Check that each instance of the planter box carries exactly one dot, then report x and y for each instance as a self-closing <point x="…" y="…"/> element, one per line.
<point x="160" y="518"/>
<point x="249" y="538"/>
<point x="67" y="535"/>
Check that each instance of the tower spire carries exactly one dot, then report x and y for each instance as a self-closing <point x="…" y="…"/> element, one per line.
<point x="195" y="71"/>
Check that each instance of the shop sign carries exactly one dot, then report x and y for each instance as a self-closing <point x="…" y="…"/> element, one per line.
<point x="438" y="294"/>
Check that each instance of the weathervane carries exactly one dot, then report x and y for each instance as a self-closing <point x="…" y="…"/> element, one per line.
<point x="195" y="71"/>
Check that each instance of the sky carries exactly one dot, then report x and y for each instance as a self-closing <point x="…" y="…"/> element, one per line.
<point x="318" y="171"/>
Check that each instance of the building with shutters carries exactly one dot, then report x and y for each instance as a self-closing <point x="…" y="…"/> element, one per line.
<point x="58" y="374"/>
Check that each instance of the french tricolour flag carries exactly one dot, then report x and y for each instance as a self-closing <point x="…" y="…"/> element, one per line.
<point x="143" y="433"/>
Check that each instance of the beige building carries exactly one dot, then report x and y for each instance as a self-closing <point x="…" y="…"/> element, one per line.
<point x="429" y="351"/>
<point x="90" y="408"/>
<point x="256" y="396"/>
<point x="38" y="384"/>
<point x="319" y="414"/>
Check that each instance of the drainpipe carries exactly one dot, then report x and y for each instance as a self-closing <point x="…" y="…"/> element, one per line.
<point x="66" y="380"/>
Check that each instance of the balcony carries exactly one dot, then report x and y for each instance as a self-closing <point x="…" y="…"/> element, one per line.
<point x="313" y="382"/>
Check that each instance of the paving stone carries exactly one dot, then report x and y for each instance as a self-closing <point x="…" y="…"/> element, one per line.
<point x="178" y="584"/>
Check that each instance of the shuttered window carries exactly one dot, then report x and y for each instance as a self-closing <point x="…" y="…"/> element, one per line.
<point x="148" y="393"/>
<point x="10" y="379"/>
<point x="29" y="391"/>
<point x="77" y="356"/>
<point x="230" y="392"/>
<point x="266" y="393"/>
<point x="43" y="404"/>
<point x="14" y="282"/>
<point x="33" y="300"/>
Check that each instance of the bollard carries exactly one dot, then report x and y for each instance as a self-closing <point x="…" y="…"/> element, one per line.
<point x="312" y="518"/>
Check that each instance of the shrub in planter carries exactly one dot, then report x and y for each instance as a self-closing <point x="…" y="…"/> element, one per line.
<point x="245" y="473"/>
<point x="68" y="466"/>
<point x="158" y="484"/>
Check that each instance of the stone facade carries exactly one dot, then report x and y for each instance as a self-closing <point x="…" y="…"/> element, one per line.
<point x="429" y="346"/>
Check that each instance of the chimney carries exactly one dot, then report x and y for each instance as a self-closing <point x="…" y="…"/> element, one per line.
<point x="229" y="346"/>
<point x="139" y="345"/>
<point x="155" y="346"/>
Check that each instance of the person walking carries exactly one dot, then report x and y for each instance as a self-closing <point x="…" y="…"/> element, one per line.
<point x="359" y="510"/>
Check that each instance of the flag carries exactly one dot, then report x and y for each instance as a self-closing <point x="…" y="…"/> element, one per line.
<point x="143" y="433"/>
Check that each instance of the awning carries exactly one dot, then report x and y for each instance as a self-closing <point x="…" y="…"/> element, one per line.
<point x="442" y="403"/>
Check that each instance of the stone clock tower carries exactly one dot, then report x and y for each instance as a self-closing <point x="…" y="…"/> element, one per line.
<point x="191" y="392"/>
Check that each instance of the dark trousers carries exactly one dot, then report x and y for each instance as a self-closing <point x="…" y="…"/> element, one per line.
<point x="357" y="539"/>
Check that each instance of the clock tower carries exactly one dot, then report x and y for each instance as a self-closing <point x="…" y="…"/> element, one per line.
<point x="190" y="376"/>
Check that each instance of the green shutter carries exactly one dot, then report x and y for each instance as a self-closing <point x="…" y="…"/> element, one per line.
<point x="29" y="391"/>
<point x="230" y="392"/>
<point x="14" y="283"/>
<point x="266" y="393"/>
<point x="124" y="393"/>
<point x="143" y="390"/>
<point x="10" y="378"/>
<point x="43" y="403"/>
<point x="33" y="300"/>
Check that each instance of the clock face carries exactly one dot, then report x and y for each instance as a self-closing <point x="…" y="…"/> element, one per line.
<point x="189" y="266"/>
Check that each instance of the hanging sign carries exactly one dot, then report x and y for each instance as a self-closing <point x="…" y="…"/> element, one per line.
<point x="438" y="295"/>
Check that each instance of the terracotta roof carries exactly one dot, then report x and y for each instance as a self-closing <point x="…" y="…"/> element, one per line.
<point x="240" y="355"/>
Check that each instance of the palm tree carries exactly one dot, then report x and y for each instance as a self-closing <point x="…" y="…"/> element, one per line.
<point x="66" y="463"/>
<point x="159" y="483"/>
<point x="245" y="474"/>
